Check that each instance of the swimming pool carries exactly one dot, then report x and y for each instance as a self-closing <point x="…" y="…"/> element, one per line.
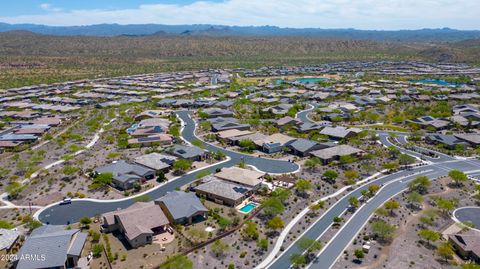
<point x="247" y="208"/>
<point x="310" y="80"/>
<point x="438" y="82"/>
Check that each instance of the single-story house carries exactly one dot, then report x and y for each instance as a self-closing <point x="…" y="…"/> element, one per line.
<point x="448" y="141"/>
<point x="148" y="114"/>
<point x="287" y="120"/>
<point x="125" y="175"/>
<point x="241" y="176"/>
<point x="188" y="152"/>
<point x="228" y="134"/>
<point x="334" y="153"/>
<point x="310" y="126"/>
<point x="253" y="137"/>
<point x="222" y="126"/>
<point x="467" y="246"/>
<point x="138" y="223"/>
<point x="280" y="109"/>
<point x="339" y="132"/>
<point x="182" y="207"/>
<point x="162" y="139"/>
<point x="53" y="246"/>
<point x="218" y="112"/>
<point x="431" y="122"/>
<point x="274" y="143"/>
<point x="18" y="137"/>
<point x="302" y="147"/>
<point x="223" y="192"/>
<point x="156" y="161"/>
<point x="471" y="138"/>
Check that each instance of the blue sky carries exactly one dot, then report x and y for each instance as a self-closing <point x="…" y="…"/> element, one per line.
<point x="24" y="7"/>
<point x="360" y="14"/>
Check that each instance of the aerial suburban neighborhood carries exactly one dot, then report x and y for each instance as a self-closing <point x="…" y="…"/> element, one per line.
<point x="240" y="134"/>
<point x="263" y="168"/>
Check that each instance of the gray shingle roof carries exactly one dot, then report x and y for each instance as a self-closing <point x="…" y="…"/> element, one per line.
<point x="7" y="238"/>
<point x="187" y="152"/>
<point x="302" y="144"/>
<point x="182" y="204"/>
<point x="224" y="189"/>
<point x="123" y="171"/>
<point x="49" y="245"/>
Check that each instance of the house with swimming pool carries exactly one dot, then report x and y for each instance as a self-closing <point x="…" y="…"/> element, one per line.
<point x="231" y="186"/>
<point x="223" y="192"/>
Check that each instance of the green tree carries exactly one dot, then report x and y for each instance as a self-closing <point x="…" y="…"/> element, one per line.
<point x="393" y="151"/>
<point x="14" y="189"/>
<point x="351" y="174"/>
<point x="275" y="223"/>
<point x="346" y="159"/>
<point x="103" y="179"/>
<point x="420" y="184"/>
<point x="309" y="245"/>
<point x="85" y="221"/>
<point x="312" y="163"/>
<point x="391" y="205"/>
<point x="372" y="189"/>
<point x="359" y="254"/>
<point x="272" y="206"/>
<point x="330" y="175"/>
<point x="4" y="172"/>
<point x="414" y="198"/>
<point x="219" y="248"/>
<point x="315" y="207"/>
<point x="247" y="145"/>
<point x="445" y="205"/>
<point x="297" y="260"/>
<point x="250" y="231"/>
<point x="428" y="235"/>
<point x="404" y="159"/>
<point x="445" y="251"/>
<point x="353" y="201"/>
<point x="390" y="165"/>
<point x="181" y="165"/>
<point x="263" y="244"/>
<point x="457" y="176"/>
<point x="302" y="186"/>
<point x="282" y="194"/>
<point x="97" y="250"/>
<point x="382" y="230"/>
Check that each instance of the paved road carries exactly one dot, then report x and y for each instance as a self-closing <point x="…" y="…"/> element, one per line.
<point x="65" y="214"/>
<point x="263" y="164"/>
<point x="398" y="182"/>
<point x="468" y="214"/>
<point x="393" y="185"/>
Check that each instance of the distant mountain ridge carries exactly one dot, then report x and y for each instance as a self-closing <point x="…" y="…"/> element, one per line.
<point x="421" y="35"/>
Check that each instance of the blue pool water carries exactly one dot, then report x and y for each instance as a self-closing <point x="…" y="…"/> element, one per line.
<point x="437" y="81"/>
<point x="247" y="208"/>
<point x="310" y="80"/>
<point x="132" y="128"/>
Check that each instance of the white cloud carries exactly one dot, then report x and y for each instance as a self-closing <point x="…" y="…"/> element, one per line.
<point x="360" y="14"/>
<point x="49" y="7"/>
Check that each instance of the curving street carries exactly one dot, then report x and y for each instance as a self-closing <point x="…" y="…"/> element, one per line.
<point x="65" y="214"/>
<point x="393" y="185"/>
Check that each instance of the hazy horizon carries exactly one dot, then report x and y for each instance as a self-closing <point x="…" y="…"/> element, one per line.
<point x="326" y="14"/>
